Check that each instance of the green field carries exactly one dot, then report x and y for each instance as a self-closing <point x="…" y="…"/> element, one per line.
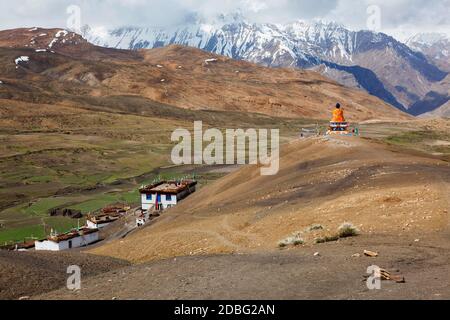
<point x="430" y="141"/>
<point x="38" y="231"/>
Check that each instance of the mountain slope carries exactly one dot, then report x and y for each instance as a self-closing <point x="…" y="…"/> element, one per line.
<point x="398" y="75"/>
<point x="443" y="111"/>
<point x="179" y="76"/>
<point x="435" y="46"/>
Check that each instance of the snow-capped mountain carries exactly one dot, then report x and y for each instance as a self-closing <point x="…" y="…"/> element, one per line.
<point x="435" y="46"/>
<point x="294" y="44"/>
<point x="372" y="61"/>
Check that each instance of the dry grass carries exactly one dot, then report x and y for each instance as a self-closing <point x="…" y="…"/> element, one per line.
<point x="347" y="230"/>
<point x="294" y="240"/>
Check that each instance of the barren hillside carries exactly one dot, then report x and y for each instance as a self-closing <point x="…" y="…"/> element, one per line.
<point x="55" y="66"/>
<point x="322" y="181"/>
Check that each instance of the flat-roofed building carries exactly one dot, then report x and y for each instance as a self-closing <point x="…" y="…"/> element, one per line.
<point x="166" y="194"/>
<point x="73" y="239"/>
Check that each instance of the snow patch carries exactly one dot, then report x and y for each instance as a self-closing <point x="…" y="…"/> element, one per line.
<point x="61" y="32"/>
<point x="50" y="45"/>
<point x="58" y="35"/>
<point x="41" y="50"/>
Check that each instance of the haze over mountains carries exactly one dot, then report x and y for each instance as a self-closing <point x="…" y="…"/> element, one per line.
<point x="410" y="77"/>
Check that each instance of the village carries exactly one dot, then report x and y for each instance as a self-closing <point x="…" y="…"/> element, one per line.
<point x="155" y="198"/>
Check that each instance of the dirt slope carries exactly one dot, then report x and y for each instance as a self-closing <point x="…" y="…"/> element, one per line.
<point x="195" y="79"/>
<point x="324" y="181"/>
<point x="287" y="274"/>
<point x="31" y="273"/>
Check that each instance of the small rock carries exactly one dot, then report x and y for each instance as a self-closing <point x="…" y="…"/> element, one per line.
<point x="356" y="255"/>
<point x="371" y="254"/>
<point x="417" y="240"/>
<point x="24" y="298"/>
<point x="317" y="254"/>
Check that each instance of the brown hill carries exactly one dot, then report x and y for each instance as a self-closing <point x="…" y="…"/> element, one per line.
<point x="322" y="181"/>
<point x="61" y="66"/>
<point x="58" y="41"/>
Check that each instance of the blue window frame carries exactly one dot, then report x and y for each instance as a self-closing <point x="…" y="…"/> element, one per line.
<point x="149" y="197"/>
<point x="168" y="197"/>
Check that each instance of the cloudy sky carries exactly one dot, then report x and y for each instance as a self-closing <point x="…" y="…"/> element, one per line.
<point x="400" y="18"/>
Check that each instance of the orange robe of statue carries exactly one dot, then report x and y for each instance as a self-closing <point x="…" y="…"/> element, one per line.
<point x="338" y="115"/>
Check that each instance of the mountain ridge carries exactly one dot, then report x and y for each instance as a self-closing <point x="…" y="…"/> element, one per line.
<point x="406" y="74"/>
<point x="179" y="76"/>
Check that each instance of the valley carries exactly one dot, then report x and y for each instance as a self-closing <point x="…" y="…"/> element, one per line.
<point x="83" y="127"/>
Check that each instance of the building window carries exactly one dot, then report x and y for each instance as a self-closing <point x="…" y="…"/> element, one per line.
<point x="149" y="197"/>
<point x="168" y="197"/>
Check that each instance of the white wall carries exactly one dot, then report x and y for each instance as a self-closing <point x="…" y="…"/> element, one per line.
<point x="168" y="203"/>
<point x="92" y="225"/>
<point x="64" y="245"/>
<point x="150" y="204"/>
<point x="46" y="246"/>
<point x="147" y="204"/>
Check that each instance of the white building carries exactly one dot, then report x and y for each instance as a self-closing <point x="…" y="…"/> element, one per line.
<point x="70" y="240"/>
<point x="165" y="194"/>
<point x="101" y="221"/>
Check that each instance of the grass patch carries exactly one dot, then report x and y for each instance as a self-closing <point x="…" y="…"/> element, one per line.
<point x="327" y="239"/>
<point x="42" y="206"/>
<point x="101" y="201"/>
<point x="294" y="240"/>
<point x="21" y="234"/>
<point x="414" y="137"/>
<point x="347" y="230"/>
<point x="26" y="233"/>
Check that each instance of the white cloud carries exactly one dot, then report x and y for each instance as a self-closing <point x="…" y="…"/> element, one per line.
<point x="399" y="17"/>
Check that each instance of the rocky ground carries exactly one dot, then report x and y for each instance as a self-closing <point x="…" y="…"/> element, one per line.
<point x="329" y="271"/>
<point x="24" y="274"/>
<point x="223" y="241"/>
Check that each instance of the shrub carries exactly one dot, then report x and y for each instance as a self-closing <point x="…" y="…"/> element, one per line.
<point x="327" y="239"/>
<point x="314" y="227"/>
<point x="294" y="240"/>
<point x="347" y="229"/>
